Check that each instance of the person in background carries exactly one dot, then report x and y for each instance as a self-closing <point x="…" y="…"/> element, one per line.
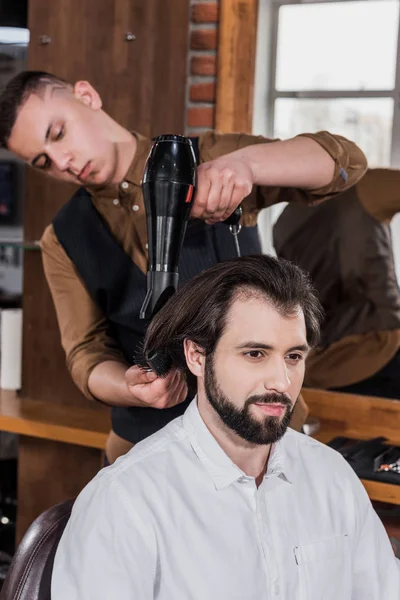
<point x="226" y="501"/>
<point x="346" y="246"/>
<point x="97" y="244"/>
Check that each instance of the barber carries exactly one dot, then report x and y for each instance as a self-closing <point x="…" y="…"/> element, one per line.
<point x="99" y="239"/>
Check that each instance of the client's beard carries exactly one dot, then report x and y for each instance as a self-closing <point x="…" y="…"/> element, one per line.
<point x="266" y="431"/>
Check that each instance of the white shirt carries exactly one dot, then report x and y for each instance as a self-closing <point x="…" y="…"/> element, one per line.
<point x="175" y="519"/>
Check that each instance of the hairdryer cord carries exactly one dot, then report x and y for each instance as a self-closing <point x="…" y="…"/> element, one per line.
<point x="235" y="229"/>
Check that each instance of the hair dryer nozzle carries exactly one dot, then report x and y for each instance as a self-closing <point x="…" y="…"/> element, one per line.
<point x="160" y="287"/>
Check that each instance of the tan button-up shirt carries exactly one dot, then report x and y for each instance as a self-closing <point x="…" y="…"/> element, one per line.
<point x="85" y="333"/>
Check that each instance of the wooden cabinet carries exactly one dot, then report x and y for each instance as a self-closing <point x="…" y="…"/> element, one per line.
<point x="134" y="52"/>
<point x="142" y="84"/>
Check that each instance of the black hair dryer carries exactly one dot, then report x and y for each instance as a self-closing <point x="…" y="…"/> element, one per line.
<point x="169" y="184"/>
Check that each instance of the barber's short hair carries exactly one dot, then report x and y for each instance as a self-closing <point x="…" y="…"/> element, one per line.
<point x="198" y="310"/>
<point x="15" y="94"/>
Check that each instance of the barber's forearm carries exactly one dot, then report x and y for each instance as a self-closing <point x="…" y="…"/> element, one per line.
<point x="107" y="383"/>
<point x="299" y="162"/>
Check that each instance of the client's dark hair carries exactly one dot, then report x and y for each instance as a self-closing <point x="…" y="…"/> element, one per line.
<point x="16" y="93"/>
<point x="198" y="310"/>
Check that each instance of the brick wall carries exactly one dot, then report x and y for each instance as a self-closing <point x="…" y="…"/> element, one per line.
<point x="202" y="66"/>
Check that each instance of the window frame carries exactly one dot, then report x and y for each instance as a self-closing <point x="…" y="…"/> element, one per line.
<point x="274" y="94"/>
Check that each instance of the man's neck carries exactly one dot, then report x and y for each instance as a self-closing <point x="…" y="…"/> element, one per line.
<point x="124" y="144"/>
<point x="252" y="459"/>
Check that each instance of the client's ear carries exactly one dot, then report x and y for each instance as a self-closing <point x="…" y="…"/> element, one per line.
<point x="195" y="358"/>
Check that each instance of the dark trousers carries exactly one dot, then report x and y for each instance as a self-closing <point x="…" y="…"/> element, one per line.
<point x="385" y="383"/>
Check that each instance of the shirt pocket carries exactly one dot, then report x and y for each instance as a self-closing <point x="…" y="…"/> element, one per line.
<point x="325" y="569"/>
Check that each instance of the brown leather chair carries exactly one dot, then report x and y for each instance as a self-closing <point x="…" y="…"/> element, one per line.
<point x="29" y="576"/>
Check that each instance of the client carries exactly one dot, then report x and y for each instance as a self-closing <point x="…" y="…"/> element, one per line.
<point x="226" y="502"/>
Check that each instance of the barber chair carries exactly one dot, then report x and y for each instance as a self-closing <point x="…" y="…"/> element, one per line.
<point x="29" y="575"/>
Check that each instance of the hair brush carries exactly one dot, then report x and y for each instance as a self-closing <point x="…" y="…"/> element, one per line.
<point x="156" y="362"/>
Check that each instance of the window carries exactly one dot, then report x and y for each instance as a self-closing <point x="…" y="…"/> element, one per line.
<point x="334" y="67"/>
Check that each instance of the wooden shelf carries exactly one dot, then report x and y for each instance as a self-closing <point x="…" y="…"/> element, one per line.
<point x="349" y="415"/>
<point x="382" y="492"/>
<point x="358" y="417"/>
<point x="57" y="422"/>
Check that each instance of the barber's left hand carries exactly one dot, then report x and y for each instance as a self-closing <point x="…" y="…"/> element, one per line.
<point x="221" y="186"/>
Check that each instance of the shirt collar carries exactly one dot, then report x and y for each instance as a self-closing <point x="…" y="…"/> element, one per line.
<point x="220" y="467"/>
<point x="134" y="174"/>
<point x="278" y="464"/>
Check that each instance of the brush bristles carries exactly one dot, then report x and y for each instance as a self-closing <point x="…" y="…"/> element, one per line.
<point x="159" y="363"/>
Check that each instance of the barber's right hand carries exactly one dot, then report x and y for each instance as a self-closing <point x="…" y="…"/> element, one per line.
<point x="156" y="392"/>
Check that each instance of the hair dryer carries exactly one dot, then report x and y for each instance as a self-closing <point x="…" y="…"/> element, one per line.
<point x="169" y="183"/>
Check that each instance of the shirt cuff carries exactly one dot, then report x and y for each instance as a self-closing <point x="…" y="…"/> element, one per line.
<point x="350" y="162"/>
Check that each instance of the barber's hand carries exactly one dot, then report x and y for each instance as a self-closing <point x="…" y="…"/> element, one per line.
<point x="156" y="392"/>
<point x="222" y="185"/>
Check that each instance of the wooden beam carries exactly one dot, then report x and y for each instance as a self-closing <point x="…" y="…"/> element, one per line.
<point x="236" y="65"/>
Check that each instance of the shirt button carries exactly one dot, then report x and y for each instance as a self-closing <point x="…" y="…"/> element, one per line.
<point x="124" y="185"/>
<point x="135" y="207"/>
<point x="147" y="246"/>
<point x="115" y="201"/>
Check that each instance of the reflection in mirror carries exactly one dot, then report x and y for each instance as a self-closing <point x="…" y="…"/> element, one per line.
<point x="344" y="83"/>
